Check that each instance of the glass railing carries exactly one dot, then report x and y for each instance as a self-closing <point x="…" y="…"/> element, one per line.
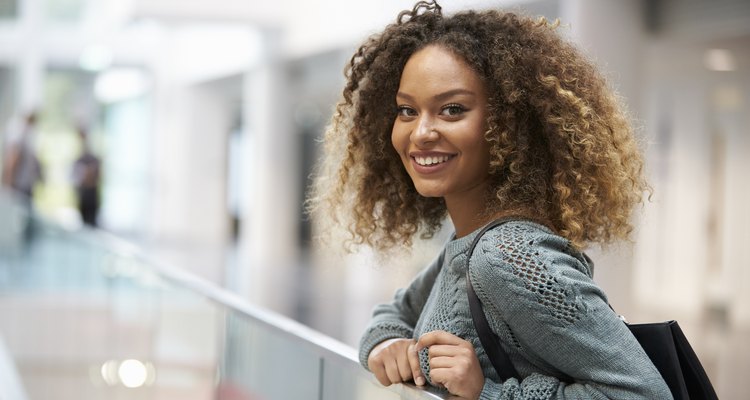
<point x="84" y="315"/>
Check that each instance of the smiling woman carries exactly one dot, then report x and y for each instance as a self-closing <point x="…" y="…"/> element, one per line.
<point x="490" y="115"/>
<point x="439" y="132"/>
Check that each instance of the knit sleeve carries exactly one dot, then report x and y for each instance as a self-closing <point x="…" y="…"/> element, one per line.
<point x="554" y="316"/>
<point x="398" y="318"/>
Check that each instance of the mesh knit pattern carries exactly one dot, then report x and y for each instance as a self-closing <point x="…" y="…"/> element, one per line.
<point x="541" y="302"/>
<point x="424" y="363"/>
<point x="527" y="265"/>
<point x="534" y="387"/>
<point x="450" y="292"/>
<point x="538" y="387"/>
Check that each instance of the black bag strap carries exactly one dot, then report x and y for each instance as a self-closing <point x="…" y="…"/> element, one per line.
<point x="490" y="342"/>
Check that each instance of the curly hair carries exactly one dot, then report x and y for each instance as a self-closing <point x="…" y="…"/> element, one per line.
<point x="562" y="148"/>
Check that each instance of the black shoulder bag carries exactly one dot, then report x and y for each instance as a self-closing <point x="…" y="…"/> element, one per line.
<point x="664" y="343"/>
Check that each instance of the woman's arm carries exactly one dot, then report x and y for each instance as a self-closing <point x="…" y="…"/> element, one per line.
<point x="561" y="321"/>
<point x="398" y="318"/>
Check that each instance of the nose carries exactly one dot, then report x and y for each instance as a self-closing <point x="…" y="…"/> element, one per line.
<point x="425" y="131"/>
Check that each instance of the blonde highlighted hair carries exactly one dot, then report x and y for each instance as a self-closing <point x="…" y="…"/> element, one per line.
<point x="562" y="148"/>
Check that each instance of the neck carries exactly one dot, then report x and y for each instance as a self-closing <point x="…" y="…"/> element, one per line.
<point x="465" y="218"/>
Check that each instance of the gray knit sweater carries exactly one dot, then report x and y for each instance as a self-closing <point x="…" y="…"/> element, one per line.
<point x="539" y="297"/>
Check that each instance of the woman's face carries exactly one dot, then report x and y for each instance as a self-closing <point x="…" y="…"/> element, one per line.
<point x="440" y="126"/>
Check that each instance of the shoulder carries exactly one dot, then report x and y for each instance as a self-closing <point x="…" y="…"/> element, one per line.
<point x="524" y="245"/>
<point x="522" y="266"/>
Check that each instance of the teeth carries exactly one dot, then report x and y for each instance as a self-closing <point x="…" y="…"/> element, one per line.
<point x="431" y="160"/>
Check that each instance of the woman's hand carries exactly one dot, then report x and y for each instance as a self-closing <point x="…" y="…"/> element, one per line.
<point x="396" y="361"/>
<point x="453" y="363"/>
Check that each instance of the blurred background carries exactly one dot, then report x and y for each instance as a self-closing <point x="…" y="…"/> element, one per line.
<point x="190" y="129"/>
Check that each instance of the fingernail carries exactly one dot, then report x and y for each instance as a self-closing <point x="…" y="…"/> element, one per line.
<point x="419" y="381"/>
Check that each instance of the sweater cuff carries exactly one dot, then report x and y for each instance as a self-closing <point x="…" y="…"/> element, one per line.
<point x="493" y="390"/>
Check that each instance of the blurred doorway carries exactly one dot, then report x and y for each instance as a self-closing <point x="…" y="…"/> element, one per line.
<point x="691" y="258"/>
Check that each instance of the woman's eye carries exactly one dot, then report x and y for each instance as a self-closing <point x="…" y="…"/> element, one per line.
<point x="453" y="110"/>
<point x="404" y="111"/>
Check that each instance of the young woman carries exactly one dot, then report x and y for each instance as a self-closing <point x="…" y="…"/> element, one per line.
<point x="478" y="116"/>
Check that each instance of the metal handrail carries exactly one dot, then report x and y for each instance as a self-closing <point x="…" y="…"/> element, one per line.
<point x="324" y="347"/>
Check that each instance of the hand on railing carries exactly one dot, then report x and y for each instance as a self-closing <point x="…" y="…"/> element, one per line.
<point x="396" y="361"/>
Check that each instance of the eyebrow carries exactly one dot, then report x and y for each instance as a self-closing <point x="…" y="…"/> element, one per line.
<point x="441" y="96"/>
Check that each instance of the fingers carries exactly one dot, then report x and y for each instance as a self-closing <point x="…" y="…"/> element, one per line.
<point x="416" y="369"/>
<point x="444" y="344"/>
<point x="453" y="363"/>
<point x="439" y="350"/>
<point x="386" y="372"/>
<point x="381" y="375"/>
<point x="381" y="363"/>
<point x="392" y="372"/>
<point x="391" y="362"/>
<point x="379" y="370"/>
<point x="404" y="367"/>
<point x="460" y="377"/>
<point x="441" y="362"/>
<point x="430" y="339"/>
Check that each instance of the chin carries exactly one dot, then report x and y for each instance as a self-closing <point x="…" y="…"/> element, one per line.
<point x="429" y="193"/>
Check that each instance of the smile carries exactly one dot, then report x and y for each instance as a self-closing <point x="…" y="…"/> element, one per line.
<point x="424" y="161"/>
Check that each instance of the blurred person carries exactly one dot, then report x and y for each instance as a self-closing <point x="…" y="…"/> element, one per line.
<point x="86" y="180"/>
<point x="478" y="116"/>
<point x="21" y="172"/>
<point x="21" y="167"/>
